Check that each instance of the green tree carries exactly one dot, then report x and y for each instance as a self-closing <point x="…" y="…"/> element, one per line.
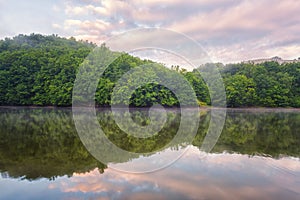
<point x="240" y="91"/>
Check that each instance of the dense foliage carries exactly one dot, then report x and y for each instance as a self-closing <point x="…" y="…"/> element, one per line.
<point x="40" y="70"/>
<point x="268" y="84"/>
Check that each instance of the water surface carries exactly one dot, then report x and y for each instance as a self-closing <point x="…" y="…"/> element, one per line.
<point x="256" y="157"/>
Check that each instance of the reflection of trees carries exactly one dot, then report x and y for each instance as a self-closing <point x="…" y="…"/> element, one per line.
<point x="44" y="143"/>
<point x="139" y="145"/>
<point x="272" y="133"/>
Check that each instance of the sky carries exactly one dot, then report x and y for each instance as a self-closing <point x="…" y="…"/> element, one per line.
<point x="230" y="31"/>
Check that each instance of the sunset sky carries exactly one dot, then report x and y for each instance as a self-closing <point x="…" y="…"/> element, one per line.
<point x="230" y="31"/>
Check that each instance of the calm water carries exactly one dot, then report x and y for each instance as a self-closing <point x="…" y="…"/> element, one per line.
<point x="257" y="156"/>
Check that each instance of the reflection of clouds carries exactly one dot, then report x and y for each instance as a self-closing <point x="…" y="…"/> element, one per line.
<point x="215" y="176"/>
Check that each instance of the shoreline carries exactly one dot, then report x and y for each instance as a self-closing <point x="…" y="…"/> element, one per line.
<point x="249" y="109"/>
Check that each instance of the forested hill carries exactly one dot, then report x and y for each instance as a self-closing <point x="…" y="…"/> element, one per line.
<point x="40" y="70"/>
<point x="268" y="84"/>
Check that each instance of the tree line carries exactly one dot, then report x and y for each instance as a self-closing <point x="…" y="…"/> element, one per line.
<point x="41" y="70"/>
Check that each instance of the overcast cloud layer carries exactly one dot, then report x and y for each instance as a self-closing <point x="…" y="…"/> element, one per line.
<point x="232" y="30"/>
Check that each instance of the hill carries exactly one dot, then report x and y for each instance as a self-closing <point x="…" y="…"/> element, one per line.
<point x="40" y="70"/>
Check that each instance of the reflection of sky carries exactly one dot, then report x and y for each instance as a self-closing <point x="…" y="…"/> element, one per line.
<point x="212" y="176"/>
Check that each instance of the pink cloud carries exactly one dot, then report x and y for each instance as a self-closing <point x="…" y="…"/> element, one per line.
<point x="231" y="31"/>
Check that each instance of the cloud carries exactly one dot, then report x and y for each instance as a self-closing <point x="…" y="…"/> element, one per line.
<point x="232" y="30"/>
<point x="248" y="30"/>
<point x="25" y="17"/>
<point x="70" y="23"/>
